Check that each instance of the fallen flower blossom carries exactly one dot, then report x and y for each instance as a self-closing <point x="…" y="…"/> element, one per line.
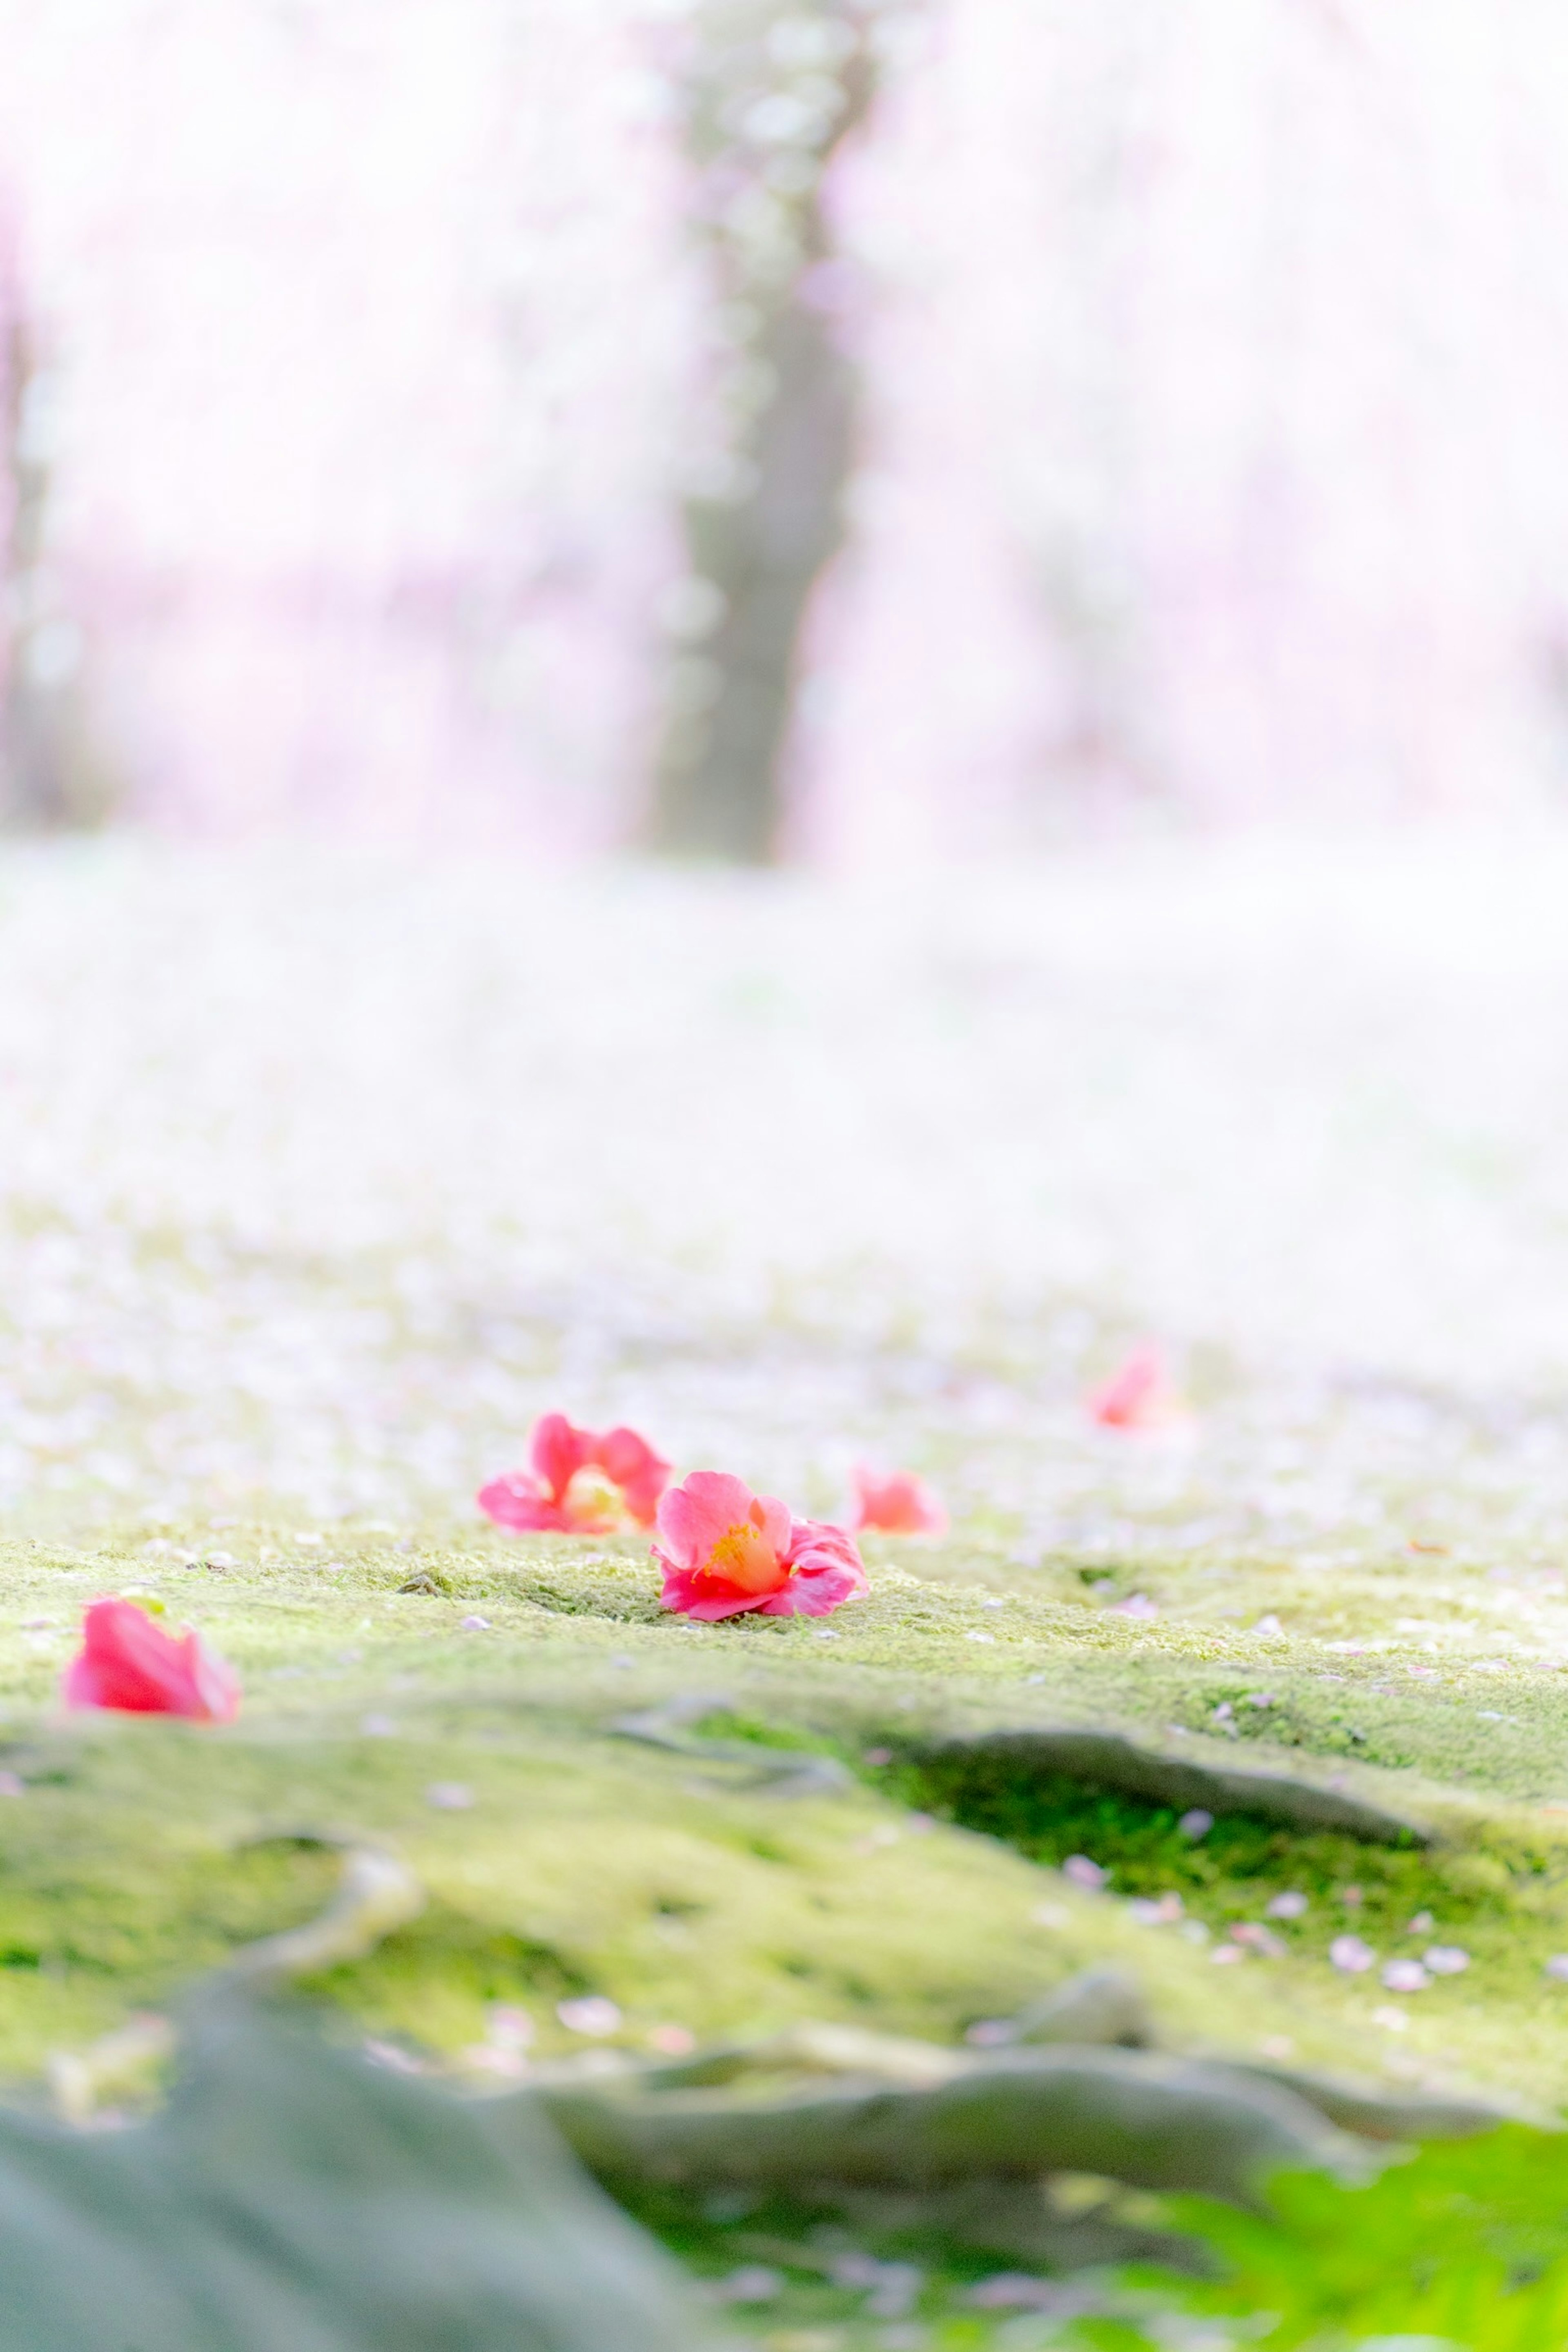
<point x="1405" y="1976"/>
<point x="725" y="1550"/>
<point x="1140" y="1395"/>
<point x="129" y="1665"/>
<point x="1348" y="1954"/>
<point x="1084" y="1872"/>
<point x="897" y="1505"/>
<point x="578" y="1481"/>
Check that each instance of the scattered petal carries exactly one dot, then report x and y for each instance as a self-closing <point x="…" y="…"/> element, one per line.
<point x="1350" y="1954"/>
<point x="509" y="2027"/>
<point x="754" y="2282"/>
<point x="672" y="2041"/>
<point x="477" y="1625"/>
<point x="1405" y="1976"/>
<point x="1289" y="1906"/>
<point x="590" y="2014"/>
<point x="1160" y="1913"/>
<point x="1393" y="2020"/>
<point x="1422" y="1925"/>
<point x="1196" y="1824"/>
<point x="1557" y="1966"/>
<point x="379" y="1727"/>
<point x="487" y="2058"/>
<point x="991" y="2032"/>
<point x="450" y="1796"/>
<point x="1137" y="1604"/>
<point x="1084" y="1872"/>
<point x="12" y="1785"/>
<point x="1223" y="1954"/>
<point x="1448" y="1959"/>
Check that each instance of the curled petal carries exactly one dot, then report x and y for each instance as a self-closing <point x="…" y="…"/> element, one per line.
<point x="825" y="1570"/>
<point x="130" y="1665"/>
<point x="695" y="1518"/>
<point x="518" y="1502"/>
<point x="557" y="1451"/>
<point x="630" y="1463"/>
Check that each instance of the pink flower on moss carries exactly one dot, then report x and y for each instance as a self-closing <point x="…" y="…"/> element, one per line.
<point x="128" y="1664"/>
<point x="578" y="1481"/>
<point x="1141" y="1394"/>
<point x="897" y="1505"/>
<point x="724" y="1550"/>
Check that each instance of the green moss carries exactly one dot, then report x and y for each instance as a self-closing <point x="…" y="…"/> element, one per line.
<point x="690" y="1895"/>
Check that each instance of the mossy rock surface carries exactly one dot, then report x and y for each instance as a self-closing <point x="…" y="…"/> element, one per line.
<point x="561" y="1857"/>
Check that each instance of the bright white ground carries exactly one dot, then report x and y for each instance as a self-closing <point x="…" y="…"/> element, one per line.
<point x="323" y="1176"/>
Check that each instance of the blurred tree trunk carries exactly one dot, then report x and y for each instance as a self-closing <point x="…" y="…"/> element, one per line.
<point x="719" y="779"/>
<point x="772" y="91"/>
<point x="50" y="777"/>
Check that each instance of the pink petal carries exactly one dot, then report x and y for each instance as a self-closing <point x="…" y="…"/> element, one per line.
<point x="694" y="1515"/>
<point x="1125" y="1394"/>
<point x="813" y="1540"/>
<point x="825" y="1570"/>
<point x="698" y="1596"/>
<point x="557" y="1451"/>
<point x="773" y="1518"/>
<point x="130" y="1664"/>
<point x="517" y="1502"/>
<point x="631" y="1463"/>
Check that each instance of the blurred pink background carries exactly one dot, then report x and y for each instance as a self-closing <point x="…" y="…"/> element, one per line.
<point x="1214" y="454"/>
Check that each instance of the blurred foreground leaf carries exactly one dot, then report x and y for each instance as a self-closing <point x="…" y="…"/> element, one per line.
<point x="1466" y="2243"/>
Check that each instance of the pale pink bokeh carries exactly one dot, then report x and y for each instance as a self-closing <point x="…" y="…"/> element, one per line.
<point x="1211" y="461"/>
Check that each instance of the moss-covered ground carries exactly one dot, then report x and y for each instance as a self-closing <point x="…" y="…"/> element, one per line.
<point x="472" y="1725"/>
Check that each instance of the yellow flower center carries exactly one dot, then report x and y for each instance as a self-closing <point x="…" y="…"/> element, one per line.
<point x="744" y="1557"/>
